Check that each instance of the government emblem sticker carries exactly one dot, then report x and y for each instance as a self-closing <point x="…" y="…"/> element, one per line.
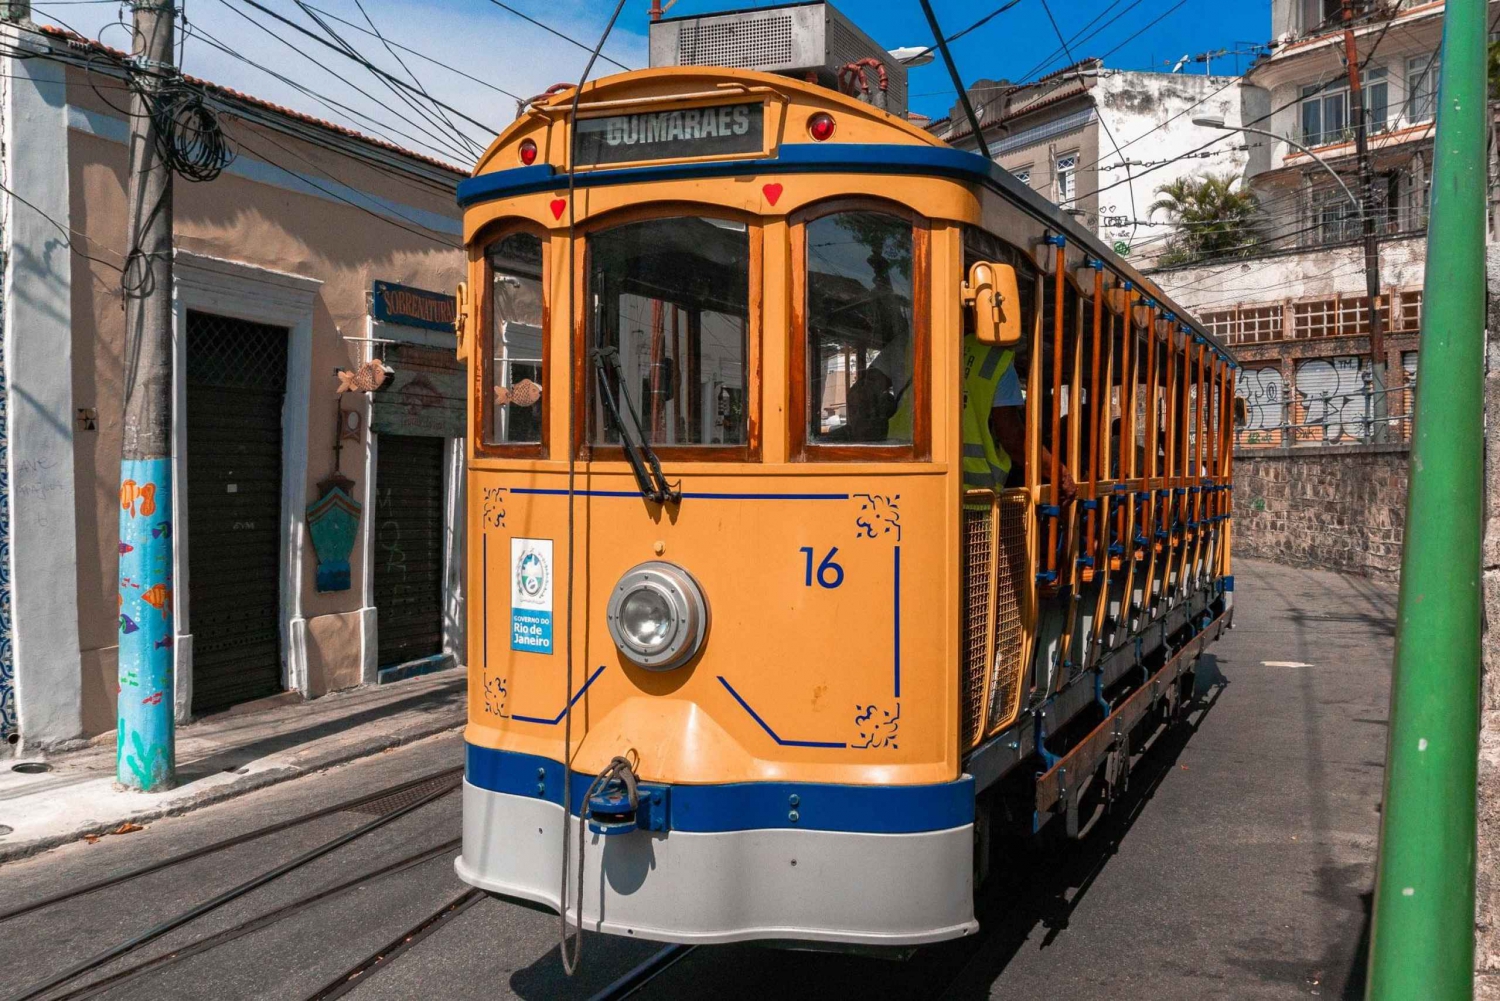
<point x="531" y="595"/>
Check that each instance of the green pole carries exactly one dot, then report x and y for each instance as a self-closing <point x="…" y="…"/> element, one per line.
<point x="1422" y="942"/>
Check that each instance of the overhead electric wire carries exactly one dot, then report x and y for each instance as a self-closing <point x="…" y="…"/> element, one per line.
<point x="1299" y="98"/>
<point x="437" y="118"/>
<point x="567" y="38"/>
<point x="382" y="130"/>
<point x="68" y="234"/>
<point x="365" y="62"/>
<point x="422" y="232"/>
<point x="1102" y="121"/>
<point x="959" y="34"/>
<point x="419" y="54"/>
<point x="434" y="141"/>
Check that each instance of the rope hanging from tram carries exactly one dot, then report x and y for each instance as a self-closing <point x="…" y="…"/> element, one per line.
<point x="572" y="954"/>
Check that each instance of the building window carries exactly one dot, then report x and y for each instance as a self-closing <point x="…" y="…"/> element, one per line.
<point x="1318" y="14"/>
<point x="1023" y="174"/>
<point x="1067" y="178"/>
<point x="1421" y="87"/>
<point x="1325" y="116"/>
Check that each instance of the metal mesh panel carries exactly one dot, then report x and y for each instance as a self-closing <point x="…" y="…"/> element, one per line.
<point x="760" y="42"/>
<point x="979" y="591"/>
<point x="236" y="354"/>
<point x="1012" y="574"/>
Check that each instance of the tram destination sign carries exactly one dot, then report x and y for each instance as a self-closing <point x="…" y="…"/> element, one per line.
<point x="725" y="130"/>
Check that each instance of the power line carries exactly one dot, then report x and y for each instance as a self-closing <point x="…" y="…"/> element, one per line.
<point x="1105" y="124"/>
<point x="364" y="62"/>
<point x="414" y="52"/>
<point x="422" y="232"/>
<point x="959" y="34"/>
<point x="548" y="28"/>
<point x="441" y="143"/>
<point x="439" y="120"/>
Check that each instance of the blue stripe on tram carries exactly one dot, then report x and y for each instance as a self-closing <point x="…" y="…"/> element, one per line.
<point x="747" y="806"/>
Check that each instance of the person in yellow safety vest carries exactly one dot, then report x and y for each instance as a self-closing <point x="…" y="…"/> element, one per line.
<point x="994" y="419"/>
<point x="986" y="465"/>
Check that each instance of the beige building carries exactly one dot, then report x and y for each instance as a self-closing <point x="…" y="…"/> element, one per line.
<point x="313" y="251"/>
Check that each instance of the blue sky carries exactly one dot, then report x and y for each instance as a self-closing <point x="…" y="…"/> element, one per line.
<point x="494" y="46"/>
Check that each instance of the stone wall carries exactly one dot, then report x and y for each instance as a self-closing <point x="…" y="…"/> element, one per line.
<point x="1338" y="507"/>
<point x="1487" y="895"/>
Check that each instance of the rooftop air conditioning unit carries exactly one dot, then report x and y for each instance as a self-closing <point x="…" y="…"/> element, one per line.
<point x="805" y="40"/>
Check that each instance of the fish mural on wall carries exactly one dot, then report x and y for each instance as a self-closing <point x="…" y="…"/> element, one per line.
<point x="159" y="596"/>
<point x="138" y="499"/>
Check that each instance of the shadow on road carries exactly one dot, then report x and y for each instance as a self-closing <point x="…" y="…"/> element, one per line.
<point x="1047" y="879"/>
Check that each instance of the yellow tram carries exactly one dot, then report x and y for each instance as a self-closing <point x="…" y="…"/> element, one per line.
<point x="721" y="548"/>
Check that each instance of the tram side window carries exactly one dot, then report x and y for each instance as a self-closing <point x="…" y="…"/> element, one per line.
<point x="672" y="295"/>
<point x="516" y="340"/>
<point x="859" y="329"/>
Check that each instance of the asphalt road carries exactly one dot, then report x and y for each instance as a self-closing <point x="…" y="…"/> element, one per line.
<point x="1239" y="866"/>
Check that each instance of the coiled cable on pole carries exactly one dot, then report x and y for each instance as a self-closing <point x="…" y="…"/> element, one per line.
<point x="189" y="139"/>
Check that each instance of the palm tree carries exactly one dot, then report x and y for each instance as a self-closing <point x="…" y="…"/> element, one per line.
<point x="1213" y="217"/>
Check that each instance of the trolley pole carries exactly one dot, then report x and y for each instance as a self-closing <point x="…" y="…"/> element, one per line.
<point x="1367" y="225"/>
<point x="1422" y="943"/>
<point x="145" y="757"/>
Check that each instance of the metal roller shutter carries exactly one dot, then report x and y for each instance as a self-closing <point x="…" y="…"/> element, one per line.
<point x="236" y="380"/>
<point x="1331" y="400"/>
<point x="408" y="549"/>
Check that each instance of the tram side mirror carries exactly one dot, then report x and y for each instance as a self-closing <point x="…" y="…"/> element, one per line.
<point x="992" y="295"/>
<point x="461" y="321"/>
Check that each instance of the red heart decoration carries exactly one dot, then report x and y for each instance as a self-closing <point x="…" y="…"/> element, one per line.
<point x="772" y="192"/>
<point x="558" y="204"/>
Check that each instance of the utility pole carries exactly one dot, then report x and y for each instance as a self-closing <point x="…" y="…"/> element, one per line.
<point x="1367" y="222"/>
<point x="146" y="755"/>
<point x="1422" y="931"/>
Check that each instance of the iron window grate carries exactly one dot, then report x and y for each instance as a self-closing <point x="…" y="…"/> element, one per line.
<point x="235" y="354"/>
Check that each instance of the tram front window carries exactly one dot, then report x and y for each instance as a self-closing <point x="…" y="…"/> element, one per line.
<point x="859" y="329"/>
<point x="672" y="295"/>
<point x="516" y="365"/>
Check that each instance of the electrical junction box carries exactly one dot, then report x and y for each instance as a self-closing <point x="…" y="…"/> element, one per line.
<point x="795" y="39"/>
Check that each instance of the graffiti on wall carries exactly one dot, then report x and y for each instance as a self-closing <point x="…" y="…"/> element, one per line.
<point x="1332" y="400"/>
<point x="1264" y="393"/>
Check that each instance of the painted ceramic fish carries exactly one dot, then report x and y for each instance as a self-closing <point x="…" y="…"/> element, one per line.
<point x="164" y="530"/>
<point x="126" y="547"/>
<point x="158" y="596"/>
<point x="127" y="624"/>
<point x="523" y="394"/>
<point x="368" y="378"/>
<point x="138" y="498"/>
<point x="127" y="582"/>
<point x="165" y="643"/>
<point x="154" y="699"/>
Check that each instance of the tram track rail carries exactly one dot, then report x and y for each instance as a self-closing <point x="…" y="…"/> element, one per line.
<point x="255" y="924"/>
<point x="77" y="970"/>
<point x="354" y="804"/>
<point x="648" y="970"/>
<point x="378" y="960"/>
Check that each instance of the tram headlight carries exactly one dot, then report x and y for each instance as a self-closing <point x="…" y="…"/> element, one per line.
<point x="658" y="616"/>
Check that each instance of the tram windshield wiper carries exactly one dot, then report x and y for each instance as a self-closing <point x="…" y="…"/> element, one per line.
<point x="643" y="461"/>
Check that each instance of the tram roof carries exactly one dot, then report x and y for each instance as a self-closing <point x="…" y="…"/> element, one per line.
<point x="925" y="156"/>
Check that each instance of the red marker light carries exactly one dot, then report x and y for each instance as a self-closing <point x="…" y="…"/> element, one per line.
<point x="820" y="126"/>
<point x="528" y="152"/>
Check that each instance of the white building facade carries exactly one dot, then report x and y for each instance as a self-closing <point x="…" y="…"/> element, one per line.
<point x="1101" y="141"/>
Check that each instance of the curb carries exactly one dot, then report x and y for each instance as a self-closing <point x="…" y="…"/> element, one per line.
<point x="311" y="763"/>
